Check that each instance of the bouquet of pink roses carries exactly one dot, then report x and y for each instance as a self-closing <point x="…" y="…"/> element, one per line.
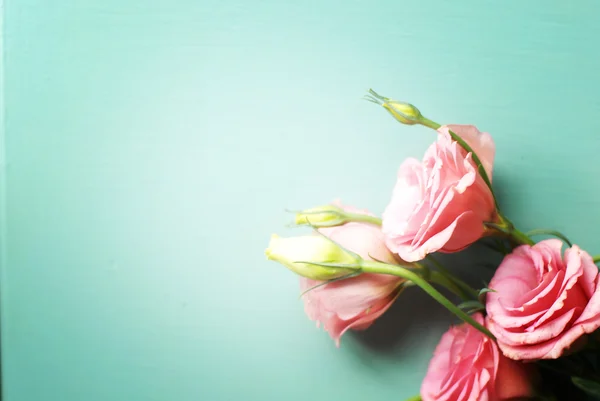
<point x="531" y="333"/>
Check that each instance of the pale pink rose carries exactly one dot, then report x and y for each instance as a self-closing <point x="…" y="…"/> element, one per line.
<point x="356" y="302"/>
<point x="441" y="203"/>
<point x="468" y="366"/>
<point x="543" y="302"/>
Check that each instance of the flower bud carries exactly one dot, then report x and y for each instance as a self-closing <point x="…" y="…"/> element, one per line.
<point x="322" y="216"/>
<point x="295" y="252"/>
<point x="405" y="113"/>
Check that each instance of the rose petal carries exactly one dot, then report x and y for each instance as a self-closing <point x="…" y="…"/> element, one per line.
<point x="467" y="366"/>
<point x="439" y="204"/>
<point x="481" y="143"/>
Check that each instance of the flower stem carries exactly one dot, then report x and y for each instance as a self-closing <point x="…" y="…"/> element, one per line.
<point x="428" y="123"/>
<point x="437" y="277"/>
<point x="384" y="268"/>
<point x="596" y="258"/>
<point x="520" y="237"/>
<point x="506" y="227"/>
<point x="554" y="233"/>
<point x="469" y="291"/>
<point x="466" y="291"/>
<point x="364" y="218"/>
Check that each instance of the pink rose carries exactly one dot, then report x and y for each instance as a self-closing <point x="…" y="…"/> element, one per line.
<point x="543" y="303"/>
<point x="467" y="365"/>
<point x="356" y="302"/>
<point x="441" y="203"/>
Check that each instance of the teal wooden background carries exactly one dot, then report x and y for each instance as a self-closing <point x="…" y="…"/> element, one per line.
<point x="151" y="148"/>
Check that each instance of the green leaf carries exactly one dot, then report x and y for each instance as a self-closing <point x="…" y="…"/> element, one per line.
<point x="471" y="304"/>
<point x="590" y="387"/>
<point x="484" y="290"/>
<point x="482" y="293"/>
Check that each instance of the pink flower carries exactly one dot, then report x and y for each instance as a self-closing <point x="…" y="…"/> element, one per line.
<point x="356" y="302"/>
<point x="543" y="302"/>
<point x="441" y="203"/>
<point x="467" y="365"/>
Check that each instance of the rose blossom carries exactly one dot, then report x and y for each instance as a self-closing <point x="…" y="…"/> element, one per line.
<point x="353" y="303"/>
<point x="468" y="366"/>
<point x="441" y="203"/>
<point x="543" y="302"/>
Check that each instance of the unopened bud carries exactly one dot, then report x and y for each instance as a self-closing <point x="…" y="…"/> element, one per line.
<point x="322" y="216"/>
<point x="404" y="112"/>
<point x="304" y="255"/>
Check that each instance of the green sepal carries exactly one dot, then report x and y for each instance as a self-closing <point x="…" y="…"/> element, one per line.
<point x="482" y="293"/>
<point x="354" y="274"/>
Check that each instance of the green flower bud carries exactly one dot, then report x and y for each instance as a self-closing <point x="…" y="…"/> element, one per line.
<point x="322" y="216"/>
<point x="404" y="112"/>
<point x="299" y="253"/>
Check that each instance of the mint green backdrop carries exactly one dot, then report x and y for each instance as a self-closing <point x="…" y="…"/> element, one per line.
<point x="151" y="148"/>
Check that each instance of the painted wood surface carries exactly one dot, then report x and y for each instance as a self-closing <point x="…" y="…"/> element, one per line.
<point x="152" y="146"/>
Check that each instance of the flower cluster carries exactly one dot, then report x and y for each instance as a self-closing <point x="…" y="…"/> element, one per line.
<point x="533" y="326"/>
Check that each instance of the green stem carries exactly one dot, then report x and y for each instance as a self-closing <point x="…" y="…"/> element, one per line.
<point x="415" y="398"/>
<point x="520" y="237"/>
<point x="554" y="233"/>
<point x="437" y="277"/>
<point x="384" y="268"/>
<point x="506" y="227"/>
<point x="364" y="218"/>
<point x="596" y="258"/>
<point x="428" y="123"/>
<point x="467" y="291"/>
